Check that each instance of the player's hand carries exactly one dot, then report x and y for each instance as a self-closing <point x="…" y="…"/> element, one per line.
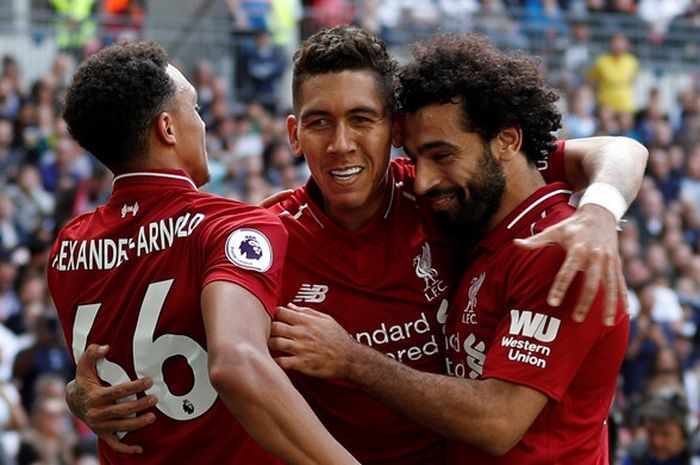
<point x="313" y="343"/>
<point x="275" y="198"/>
<point x="590" y="239"/>
<point x="105" y="409"/>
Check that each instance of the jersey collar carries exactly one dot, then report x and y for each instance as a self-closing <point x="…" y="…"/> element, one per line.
<point x="154" y="177"/>
<point x="371" y="231"/>
<point x="524" y="215"/>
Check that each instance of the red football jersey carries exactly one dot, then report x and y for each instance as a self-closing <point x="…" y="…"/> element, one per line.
<point x="130" y="274"/>
<point x="385" y="284"/>
<point x="500" y="326"/>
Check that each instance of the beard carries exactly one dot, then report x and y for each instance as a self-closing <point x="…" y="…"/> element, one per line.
<point x="477" y="201"/>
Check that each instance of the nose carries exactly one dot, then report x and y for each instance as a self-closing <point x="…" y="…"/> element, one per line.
<point x="342" y="141"/>
<point x="426" y="176"/>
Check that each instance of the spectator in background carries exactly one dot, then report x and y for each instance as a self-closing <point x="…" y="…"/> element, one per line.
<point x="261" y="67"/>
<point x="75" y="26"/>
<point x="10" y="157"/>
<point x="34" y="205"/>
<point x="667" y="180"/>
<point x="690" y="184"/>
<point x="50" y="440"/>
<point x="11" y="71"/>
<point x="613" y="76"/>
<point x="658" y="15"/>
<point x="651" y="213"/>
<point x="494" y="21"/>
<point x="249" y="15"/>
<point x="577" y="54"/>
<point x="122" y="20"/>
<point x="9" y="301"/>
<point x="13" y="420"/>
<point x="580" y="120"/>
<point x="667" y="433"/>
<point x="9" y="99"/>
<point x="12" y="235"/>
<point x="47" y="355"/>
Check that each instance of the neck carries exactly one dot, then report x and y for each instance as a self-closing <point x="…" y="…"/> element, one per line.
<point x="522" y="180"/>
<point x="356" y="218"/>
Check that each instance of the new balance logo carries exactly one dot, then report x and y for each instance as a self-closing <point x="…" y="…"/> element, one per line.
<point x="541" y="327"/>
<point x="311" y="293"/>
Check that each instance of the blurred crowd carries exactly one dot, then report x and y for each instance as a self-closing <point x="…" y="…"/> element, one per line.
<point x="46" y="179"/>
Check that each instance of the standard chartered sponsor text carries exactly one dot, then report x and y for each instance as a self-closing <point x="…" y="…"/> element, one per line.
<point x="387" y="334"/>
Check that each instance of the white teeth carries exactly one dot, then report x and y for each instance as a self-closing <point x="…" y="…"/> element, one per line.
<point x="346" y="172"/>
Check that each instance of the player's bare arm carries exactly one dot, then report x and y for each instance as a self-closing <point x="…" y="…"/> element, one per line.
<point x="490" y="414"/>
<point x="105" y="408"/>
<point x="590" y="235"/>
<point x="253" y="387"/>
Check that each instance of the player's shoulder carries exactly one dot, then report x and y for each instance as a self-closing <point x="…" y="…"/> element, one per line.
<point x="73" y="226"/>
<point x="402" y="169"/>
<point x="296" y="200"/>
<point x="217" y="207"/>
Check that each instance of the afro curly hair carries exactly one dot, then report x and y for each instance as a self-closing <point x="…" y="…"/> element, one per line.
<point x="113" y="99"/>
<point x="496" y="90"/>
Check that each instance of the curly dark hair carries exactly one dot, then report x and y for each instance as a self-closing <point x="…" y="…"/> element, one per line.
<point x="342" y="48"/>
<point x="113" y="99"/>
<point x="496" y="90"/>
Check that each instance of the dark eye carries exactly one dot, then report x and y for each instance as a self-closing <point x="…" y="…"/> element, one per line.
<point x="361" y="120"/>
<point x="317" y="123"/>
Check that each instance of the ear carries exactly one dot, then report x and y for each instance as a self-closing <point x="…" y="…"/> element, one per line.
<point x="506" y="145"/>
<point x="165" y="128"/>
<point x="396" y="132"/>
<point x="293" y="136"/>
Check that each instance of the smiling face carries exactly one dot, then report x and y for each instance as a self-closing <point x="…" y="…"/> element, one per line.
<point x="455" y="169"/>
<point x="343" y="129"/>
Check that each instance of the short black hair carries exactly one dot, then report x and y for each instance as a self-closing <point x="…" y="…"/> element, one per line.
<point x="113" y="99"/>
<point x="496" y="90"/>
<point x="343" y="48"/>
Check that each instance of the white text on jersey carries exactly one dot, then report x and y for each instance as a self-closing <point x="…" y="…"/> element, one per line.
<point x="106" y="254"/>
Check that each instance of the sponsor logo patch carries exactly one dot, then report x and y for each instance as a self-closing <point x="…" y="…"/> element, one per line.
<point x="249" y="249"/>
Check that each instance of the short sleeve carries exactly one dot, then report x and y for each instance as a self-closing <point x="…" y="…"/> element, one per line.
<point x="553" y="170"/>
<point x="537" y="345"/>
<point x="249" y="252"/>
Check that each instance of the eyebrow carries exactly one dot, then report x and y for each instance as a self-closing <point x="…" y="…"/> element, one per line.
<point x="355" y="110"/>
<point x="424" y="147"/>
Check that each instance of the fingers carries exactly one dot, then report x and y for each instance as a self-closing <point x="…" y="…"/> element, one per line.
<point x="281" y="344"/>
<point x="87" y="363"/>
<point x="125" y="424"/>
<point x="108" y="395"/>
<point x="276" y="198"/>
<point x="591" y="283"/>
<point x="288" y="362"/>
<point x="564" y="278"/>
<point x="541" y="239"/>
<point x="113" y="442"/>
<point x="611" y="293"/>
<point x="622" y="285"/>
<point x="96" y="416"/>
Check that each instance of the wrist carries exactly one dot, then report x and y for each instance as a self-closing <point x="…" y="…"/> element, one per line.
<point x="606" y="196"/>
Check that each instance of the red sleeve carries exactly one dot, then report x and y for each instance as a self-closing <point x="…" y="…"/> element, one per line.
<point x="553" y="168"/>
<point x="537" y="345"/>
<point x="251" y="254"/>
